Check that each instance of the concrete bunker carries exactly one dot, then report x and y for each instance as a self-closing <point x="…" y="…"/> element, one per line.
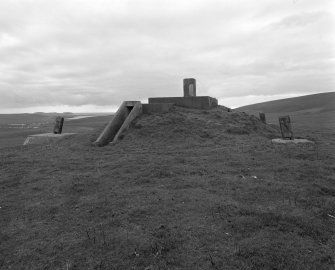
<point x="129" y="110"/>
<point x="121" y="121"/>
<point x="190" y="98"/>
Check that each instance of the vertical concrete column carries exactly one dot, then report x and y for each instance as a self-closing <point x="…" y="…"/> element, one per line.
<point x="58" y="125"/>
<point x="285" y="127"/>
<point x="262" y="117"/>
<point x="190" y="87"/>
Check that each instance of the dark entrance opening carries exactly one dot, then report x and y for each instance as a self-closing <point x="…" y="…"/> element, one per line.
<point x="129" y="108"/>
<point x="119" y="121"/>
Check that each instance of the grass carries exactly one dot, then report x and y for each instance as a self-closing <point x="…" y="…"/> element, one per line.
<point x="10" y="136"/>
<point x="186" y="190"/>
<point x="321" y="102"/>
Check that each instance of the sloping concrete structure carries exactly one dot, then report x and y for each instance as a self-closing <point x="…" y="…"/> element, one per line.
<point x="46" y="138"/>
<point x="121" y="121"/>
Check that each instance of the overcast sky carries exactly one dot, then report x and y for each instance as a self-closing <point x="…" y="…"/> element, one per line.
<point x="76" y="55"/>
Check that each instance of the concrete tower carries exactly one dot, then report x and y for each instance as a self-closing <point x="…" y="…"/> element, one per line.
<point x="190" y="88"/>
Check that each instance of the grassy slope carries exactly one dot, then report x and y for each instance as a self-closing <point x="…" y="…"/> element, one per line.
<point x="317" y="112"/>
<point x="178" y="192"/>
<point x="24" y="118"/>
<point x="317" y="102"/>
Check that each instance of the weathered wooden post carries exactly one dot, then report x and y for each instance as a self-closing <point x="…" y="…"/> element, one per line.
<point x="285" y="127"/>
<point x="262" y="117"/>
<point x="190" y="88"/>
<point x="59" y="125"/>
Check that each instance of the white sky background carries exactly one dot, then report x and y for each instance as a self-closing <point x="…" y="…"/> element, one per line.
<point x="71" y="55"/>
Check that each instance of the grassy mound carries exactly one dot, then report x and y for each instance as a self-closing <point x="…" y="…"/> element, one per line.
<point x="183" y="125"/>
<point x="190" y="189"/>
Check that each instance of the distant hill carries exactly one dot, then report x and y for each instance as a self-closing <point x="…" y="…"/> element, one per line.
<point x="323" y="102"/>
<point x="25" y="118"/>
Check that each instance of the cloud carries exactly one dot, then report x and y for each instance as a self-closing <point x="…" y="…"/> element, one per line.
<point x="97" y="53"/>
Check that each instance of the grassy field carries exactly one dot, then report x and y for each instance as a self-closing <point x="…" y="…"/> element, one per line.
<point x="311" y="113"/>
<point x="190" y="189"/>
<point x="34" y="124"/>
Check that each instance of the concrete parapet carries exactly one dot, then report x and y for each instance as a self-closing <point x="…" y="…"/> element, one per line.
<point x="203" y="102"/>
<point x="157" y="108"/>
<point x="121" y="121"/>
<point x="45" y="138"/>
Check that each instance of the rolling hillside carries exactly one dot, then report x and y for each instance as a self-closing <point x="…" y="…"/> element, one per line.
<point x="322" y="102"/>
<point x="313" y="111"/>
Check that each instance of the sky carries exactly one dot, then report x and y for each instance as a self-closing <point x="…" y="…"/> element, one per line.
<point x="89" y="56"/>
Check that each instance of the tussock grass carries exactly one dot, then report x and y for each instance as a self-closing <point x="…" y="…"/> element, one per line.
<point x="179" y="191"/>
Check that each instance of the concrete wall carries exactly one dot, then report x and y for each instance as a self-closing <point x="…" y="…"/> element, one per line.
<point x="135" y="112"/>
<point x="203" y="102"/>
<point x="156" y="108"/>
<point x="126" y="113"/>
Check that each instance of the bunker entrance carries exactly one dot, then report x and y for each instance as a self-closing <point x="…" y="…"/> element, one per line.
<point x="121" y="121"/>
<point x="129" y="108"/>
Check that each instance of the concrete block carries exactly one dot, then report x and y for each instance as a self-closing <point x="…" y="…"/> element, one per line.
<point x="203" y="102"/>
<point x="156" y="108"/>
<point x="46" y="138"/>
<point x="285" y="127"/>
<point x="262" y="117"/>
<point x="58" y="125"/>
<point x="121" y="121"/>
<point x="189" y="87"/>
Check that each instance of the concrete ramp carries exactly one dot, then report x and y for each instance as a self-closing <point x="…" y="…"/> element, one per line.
<point x="121" y="121"/>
